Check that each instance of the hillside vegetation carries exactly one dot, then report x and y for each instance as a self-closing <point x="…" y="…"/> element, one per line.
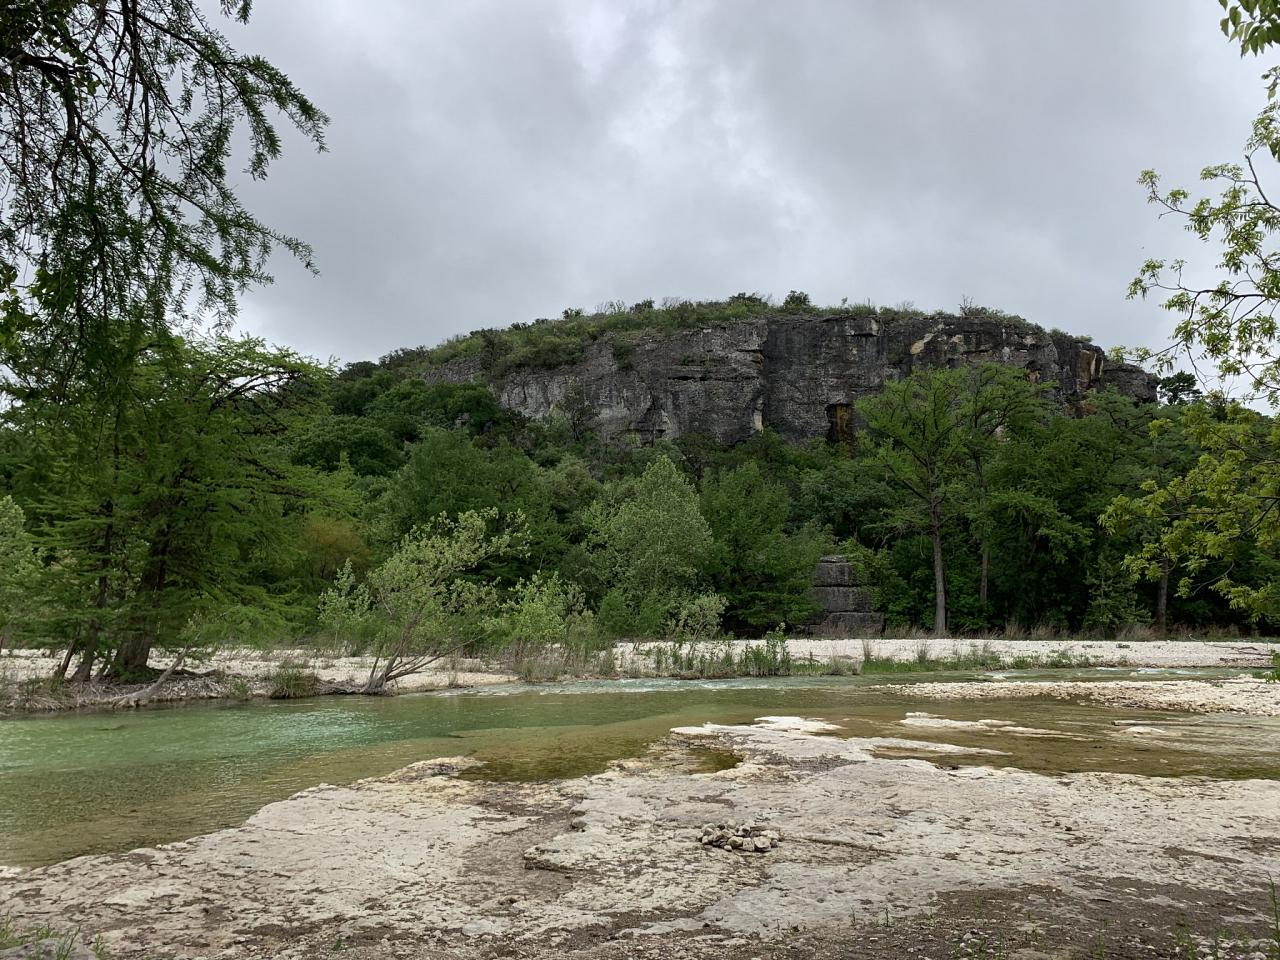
<point x="552" y="342"/>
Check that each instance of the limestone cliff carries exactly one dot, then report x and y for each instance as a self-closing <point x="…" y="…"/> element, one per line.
<point x="797" y="374"/>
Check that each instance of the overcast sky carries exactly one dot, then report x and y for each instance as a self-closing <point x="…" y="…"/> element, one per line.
<point x="492" y="162"/>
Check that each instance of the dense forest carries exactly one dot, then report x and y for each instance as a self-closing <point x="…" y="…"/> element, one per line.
<point x="230" y="490"/>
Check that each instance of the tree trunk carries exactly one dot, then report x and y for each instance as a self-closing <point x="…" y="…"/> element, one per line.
<point x="135" y="649"/>
<point x="939" y="578"/>
<point x="92" y="640"/>
<point x="377" y="682"/>
<point x="1162" y="598"/>
<point x="133" y="699"/>
<point x="61" y="672"/>
<point x="986" y="569"/>
<point x="84" y="669"/>
<point x="132" y="656"/>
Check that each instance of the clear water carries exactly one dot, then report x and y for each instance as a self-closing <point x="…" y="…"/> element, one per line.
<point x="103" y="782"/>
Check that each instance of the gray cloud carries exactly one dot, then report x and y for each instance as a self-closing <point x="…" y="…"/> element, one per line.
<point x="496" y="161"/>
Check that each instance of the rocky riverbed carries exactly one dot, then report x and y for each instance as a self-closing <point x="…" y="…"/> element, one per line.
<point x="1245" y="695"/>
<point x="878" y="857"/>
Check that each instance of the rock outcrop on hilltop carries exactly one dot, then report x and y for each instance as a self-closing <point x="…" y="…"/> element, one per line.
<point x="797" y="374"/>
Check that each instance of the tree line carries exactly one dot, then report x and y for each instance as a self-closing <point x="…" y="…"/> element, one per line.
<point x="230" y="491"/>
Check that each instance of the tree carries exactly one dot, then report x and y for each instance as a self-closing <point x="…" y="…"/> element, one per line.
<point x="419" y="604"/>
<point x="1050" y="483"/>
<point x="538" y="614"/>
<point x="1213" y="515"/>
<point x="17" y="561"/>
<point x="405" y="409"/>
<point x="999" y="401"/>
<point x="649" y="542"/>
<point x="764" y="571"/>
<point x="1230" y="323"/>
<point x="1179" y="388"/>
<point x="1230" y="497"/>
<point x="327" y="442"/>
<point x="1255" y="25"/>
<point x="173" y="507"/>
<point x="1169" y="454"/>
<point x="449" y="473"/>
<point x="916" y="440"/>
<point x="117" y="122"/>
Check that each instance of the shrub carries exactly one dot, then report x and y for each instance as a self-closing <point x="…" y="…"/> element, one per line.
<point x="771" y="658"/>
<point x="538" y="613"/>
<point x="698" y="618"/>
<point x="797" y="300"/>
<point x="292" y="681"/>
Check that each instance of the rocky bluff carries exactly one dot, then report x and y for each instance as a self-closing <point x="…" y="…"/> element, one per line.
<point x="796" y="374"/>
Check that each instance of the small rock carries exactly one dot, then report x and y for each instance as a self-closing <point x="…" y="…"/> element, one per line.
<point x="747" y="837"/>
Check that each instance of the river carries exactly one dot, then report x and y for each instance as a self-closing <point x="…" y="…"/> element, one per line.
<point x="76" y="784"/>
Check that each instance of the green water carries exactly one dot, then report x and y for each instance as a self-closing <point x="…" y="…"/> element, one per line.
<point x="103" y="782"/>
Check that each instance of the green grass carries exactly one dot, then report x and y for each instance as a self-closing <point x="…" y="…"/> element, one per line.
<point x="290" y="681"/>
<point x="976" y="662"/>
<point x="772" y="658"/>
<point x="11" y="935"/>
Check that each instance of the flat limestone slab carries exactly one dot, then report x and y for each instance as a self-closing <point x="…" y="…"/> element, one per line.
<point x="427" y="863"/>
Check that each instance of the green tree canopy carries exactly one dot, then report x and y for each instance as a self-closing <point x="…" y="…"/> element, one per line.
<point x="173" y="508"/>
<point x="17" y="561"/>
<point x="916" y="442"/>
<point x="763" y="570"/>
<point x="447" y="473"/>
<point x="117" y="124"/>
<point x="420" y="604"/>
<point x="649" y="542"/>
<point x="1226" y="503"/>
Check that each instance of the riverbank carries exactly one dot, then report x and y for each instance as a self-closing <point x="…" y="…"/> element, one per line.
<point x="1167" y="654"/>
<point x="899" y="856"/>
<point x="237" y="674"/>
<point x="245" y="674"/>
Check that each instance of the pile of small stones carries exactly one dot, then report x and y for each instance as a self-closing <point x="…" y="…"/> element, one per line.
<point x="745" y="838"/>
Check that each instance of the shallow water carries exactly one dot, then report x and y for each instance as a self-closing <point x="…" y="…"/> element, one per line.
<point x="103" y="782"/>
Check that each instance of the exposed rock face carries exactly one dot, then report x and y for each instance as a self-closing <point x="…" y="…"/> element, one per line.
<point x="797" y="374"/>
<point x="846" y="605"/>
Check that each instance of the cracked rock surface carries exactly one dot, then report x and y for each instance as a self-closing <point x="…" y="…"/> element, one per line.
<point x="427" y="863"/>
